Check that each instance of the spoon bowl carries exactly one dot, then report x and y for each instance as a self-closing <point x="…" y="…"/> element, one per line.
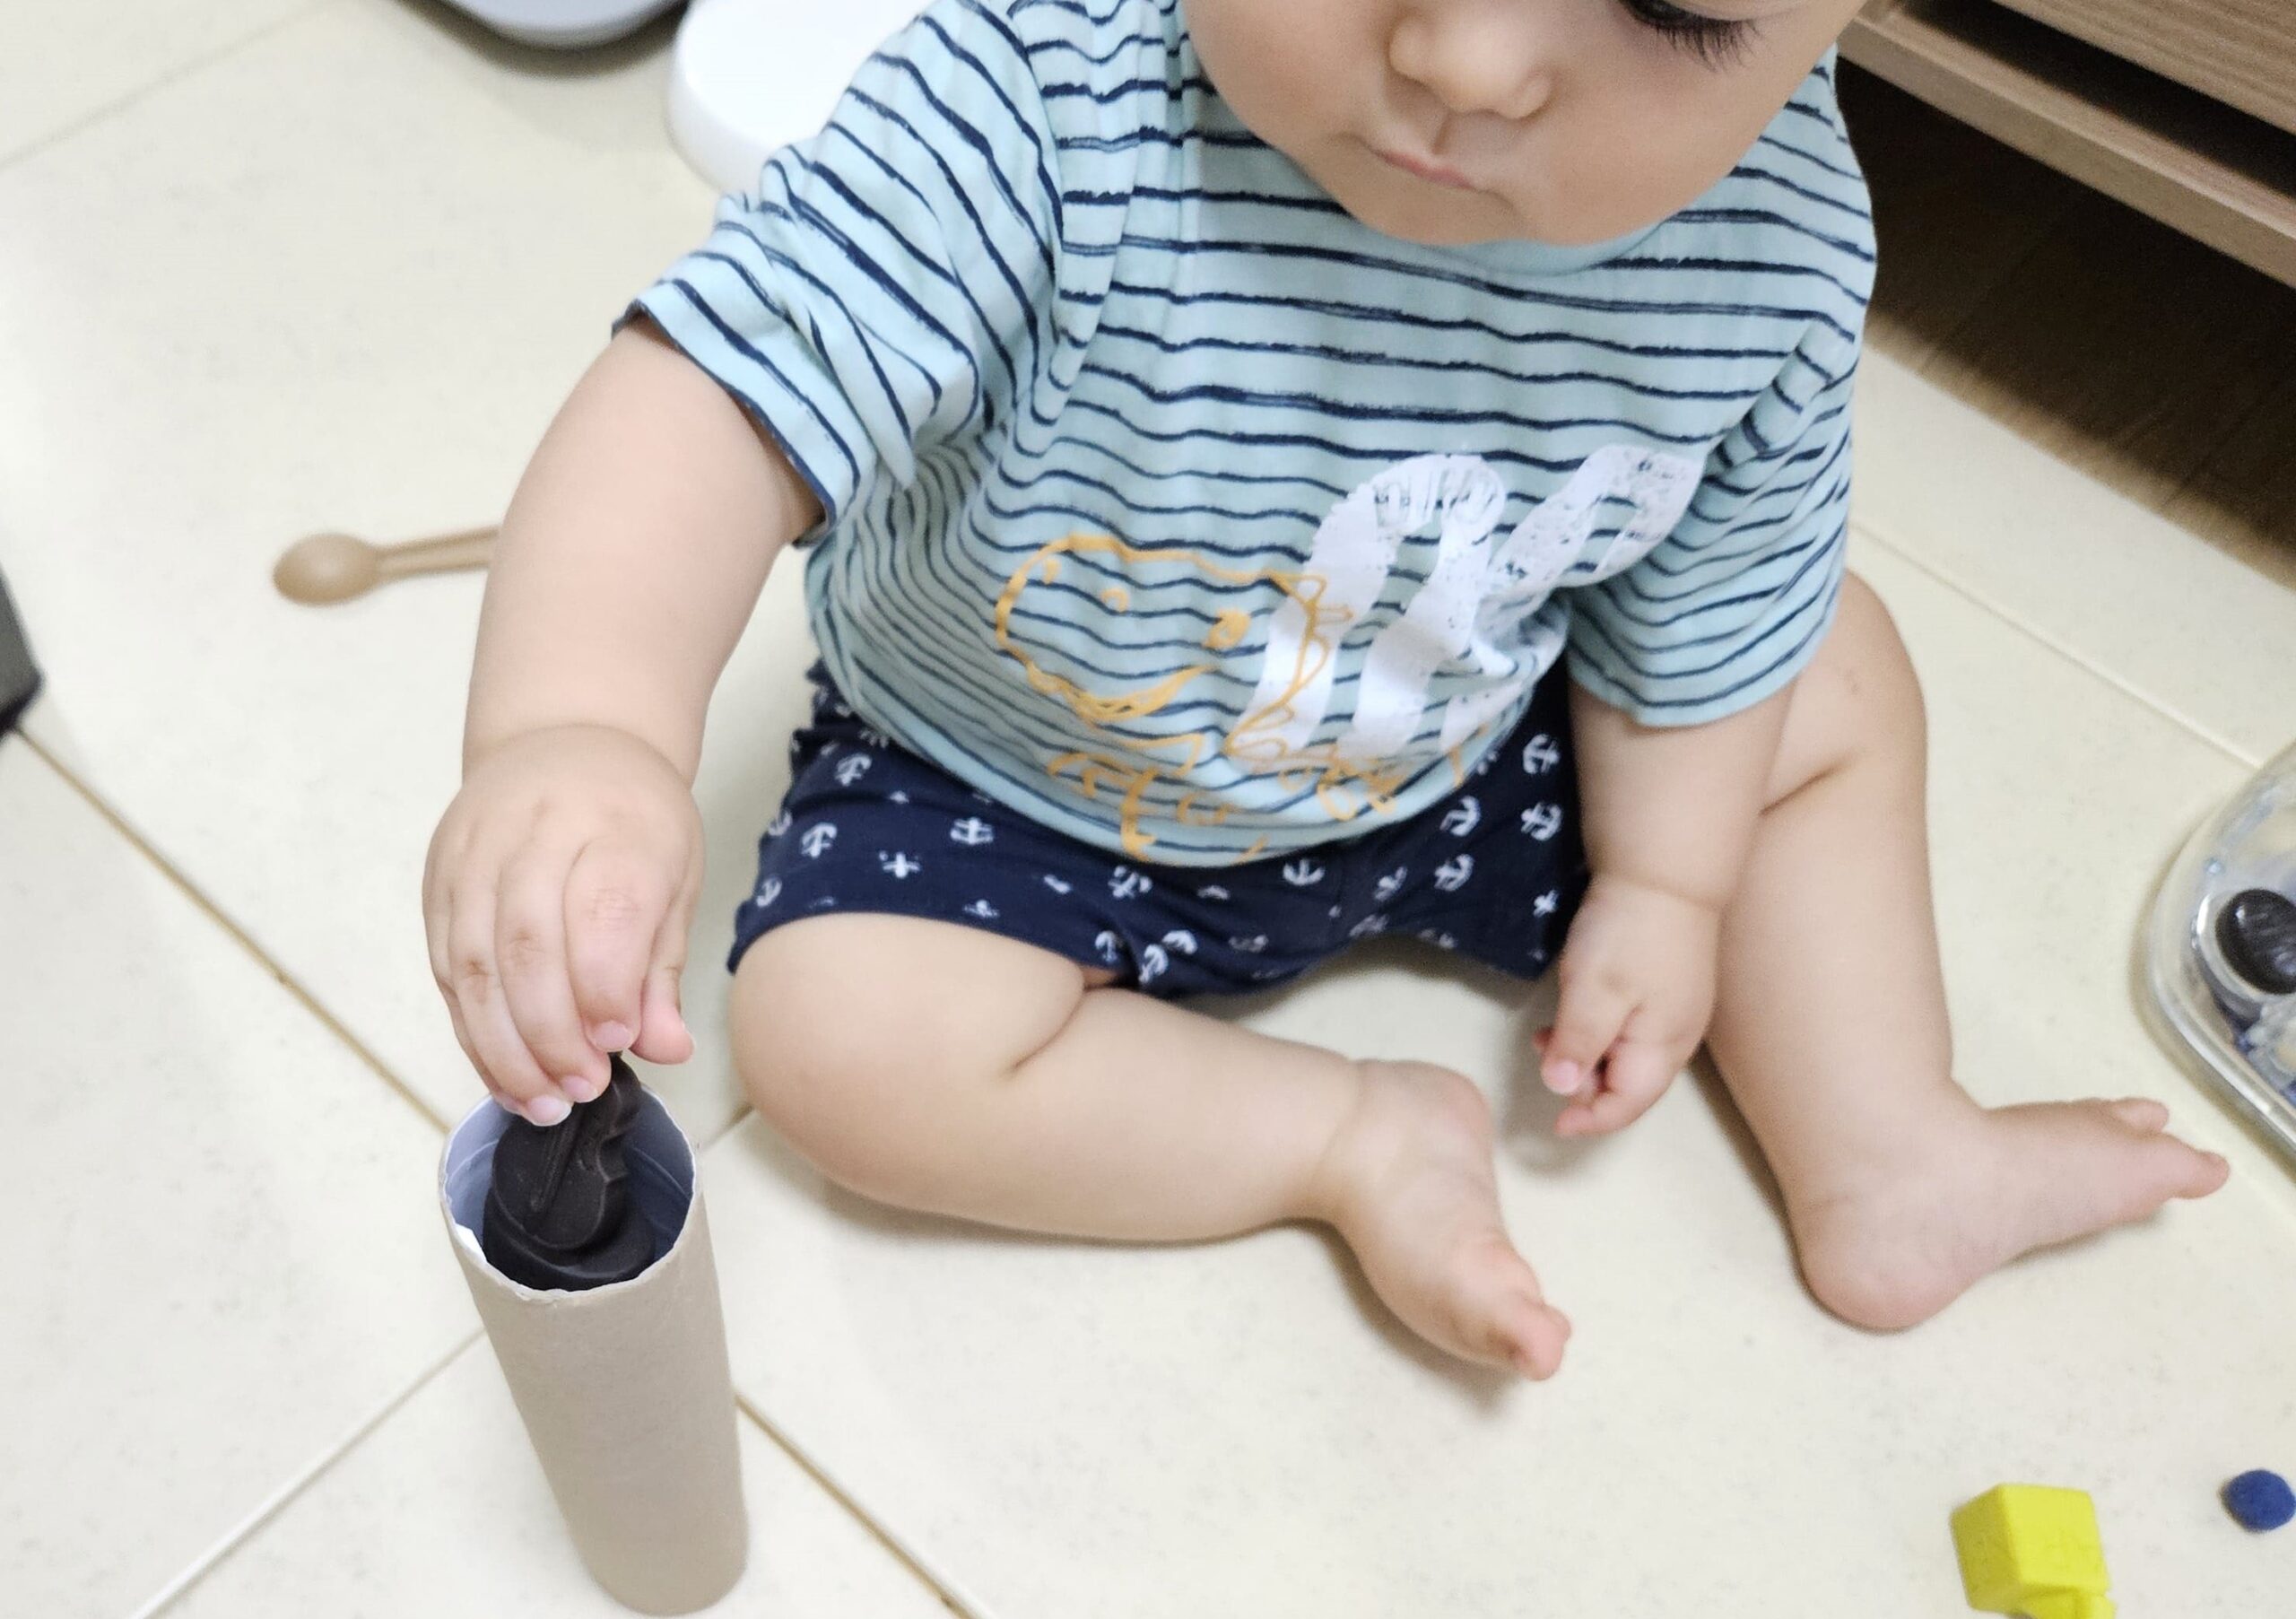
<point x="321" y="569"/>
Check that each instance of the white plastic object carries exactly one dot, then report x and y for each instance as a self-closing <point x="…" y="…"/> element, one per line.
<point x="2245" y="1038"/>
<point x="565" y="24"/>
<point x="747" y="77"/>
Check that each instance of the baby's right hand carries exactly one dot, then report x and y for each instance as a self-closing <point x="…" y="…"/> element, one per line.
<point x="556" y="897"/>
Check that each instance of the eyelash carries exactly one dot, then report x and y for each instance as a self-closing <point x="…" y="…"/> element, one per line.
<point x="1712" y="40"/>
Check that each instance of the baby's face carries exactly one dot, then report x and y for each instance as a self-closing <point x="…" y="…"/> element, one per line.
<point x="1563" y="121"/>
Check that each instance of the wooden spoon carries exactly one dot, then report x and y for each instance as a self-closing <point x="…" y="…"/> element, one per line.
<point x="324" y="568"/>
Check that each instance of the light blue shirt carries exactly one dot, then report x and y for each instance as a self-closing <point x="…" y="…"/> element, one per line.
<point x="1175" y="508"/>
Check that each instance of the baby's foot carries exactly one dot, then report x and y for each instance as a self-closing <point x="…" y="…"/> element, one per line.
<point x="1911" y="1235"/>
<point x="1409" y="1184"/>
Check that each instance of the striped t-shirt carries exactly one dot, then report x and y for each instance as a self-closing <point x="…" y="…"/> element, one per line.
<point x="1172" y="507"/>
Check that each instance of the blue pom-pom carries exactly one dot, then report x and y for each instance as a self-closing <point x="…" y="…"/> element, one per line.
<point x="2260" y="1500"/>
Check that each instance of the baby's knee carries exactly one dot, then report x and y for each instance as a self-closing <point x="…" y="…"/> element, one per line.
<point x="819" y="1064"/>
<point x="863" y="1043"/>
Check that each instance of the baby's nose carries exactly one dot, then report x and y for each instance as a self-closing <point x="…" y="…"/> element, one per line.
<point x="1475" y="57"/>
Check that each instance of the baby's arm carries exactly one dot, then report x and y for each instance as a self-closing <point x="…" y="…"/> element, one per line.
<point x="1668" y="816"/>
<point x="561" y="878"/>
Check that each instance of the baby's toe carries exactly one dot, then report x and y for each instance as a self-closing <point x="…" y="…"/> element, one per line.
<point x="2140" y="1113"/>
<point x="2157" y="1170"/>
<point x="2190" y="1172"/>
<point x="1534" y="1336"/>
<point x="1522" y="1331"/>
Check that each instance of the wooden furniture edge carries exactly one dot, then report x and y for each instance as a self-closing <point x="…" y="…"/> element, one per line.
<point x="2097" y="131"/>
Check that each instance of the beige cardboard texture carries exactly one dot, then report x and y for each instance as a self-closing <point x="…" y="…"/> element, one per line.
<point x="624" y="1389"/>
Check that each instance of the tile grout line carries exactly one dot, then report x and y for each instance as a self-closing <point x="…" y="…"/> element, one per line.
<point x="741" y="1116"/>
<point x="2033" y="632"/>
<point x="271" y="1506"/>
<point x="233" y="1539"/>
<point x="942" y="1586"/>
<point x="182" y="70"/>
<point x="332" y="1024"/>
<point x="948" y="1590"/>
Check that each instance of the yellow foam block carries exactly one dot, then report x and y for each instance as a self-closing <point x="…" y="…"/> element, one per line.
<point x="2033" y="1549"/>
<point x="2069" y="1605"/>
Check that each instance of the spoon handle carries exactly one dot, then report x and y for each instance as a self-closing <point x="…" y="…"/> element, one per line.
<point x="441" y="554"/>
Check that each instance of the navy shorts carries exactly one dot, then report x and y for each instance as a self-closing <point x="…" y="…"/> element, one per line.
<point x="1493" y="872"/>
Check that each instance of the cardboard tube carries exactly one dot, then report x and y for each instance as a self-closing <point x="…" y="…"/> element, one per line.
<point x="624" y="1389"/>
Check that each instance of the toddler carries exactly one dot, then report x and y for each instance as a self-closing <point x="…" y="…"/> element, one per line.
<point x="1269" y="473"/>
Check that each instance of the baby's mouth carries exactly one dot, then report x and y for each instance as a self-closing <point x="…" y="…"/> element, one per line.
<point x="1426" y="169"/>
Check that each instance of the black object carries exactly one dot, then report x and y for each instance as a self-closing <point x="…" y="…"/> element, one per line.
<point x="2257" y="932"/>
<point x="19" y="680"/>
<point x="559" y="1212"/>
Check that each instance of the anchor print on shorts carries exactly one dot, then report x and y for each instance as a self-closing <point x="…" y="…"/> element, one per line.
<point x="1156" y="960"/>
<point x="1543" y="821"/>
<point x="1302" y="874"/>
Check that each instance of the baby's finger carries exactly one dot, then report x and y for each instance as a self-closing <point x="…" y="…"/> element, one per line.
<point x="1587" y="1019"/>
<point x="483" y="1017"/>
<point x="530" y="952"/>
<point x="662" y="1036"/>
<point x="1635" y="1075"/>
<point x="438" y="868"/>
<point x="462" y="1039"/>
<point x="614" y="906"/>
<point x="1543" y="1038"/>
<point x="437" y="915"/>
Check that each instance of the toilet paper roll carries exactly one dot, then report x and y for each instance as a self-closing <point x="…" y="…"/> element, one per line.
<point x="624" y="1389"/>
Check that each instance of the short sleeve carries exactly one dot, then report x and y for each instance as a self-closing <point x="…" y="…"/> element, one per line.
<point x="1732" y="605"/>
<point x="886" y="286"/>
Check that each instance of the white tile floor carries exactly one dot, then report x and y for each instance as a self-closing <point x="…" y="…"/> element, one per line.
<point x="269" y="266"/>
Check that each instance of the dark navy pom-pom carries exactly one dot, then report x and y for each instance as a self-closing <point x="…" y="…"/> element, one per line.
<point x="2260" y="1500"/>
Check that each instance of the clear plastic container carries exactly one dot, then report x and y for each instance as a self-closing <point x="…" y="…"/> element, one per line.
<point x="2245" y="1038"/>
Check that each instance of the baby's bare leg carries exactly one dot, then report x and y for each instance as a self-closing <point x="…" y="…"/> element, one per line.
<point x="951" y="1070"/>
<point x="1830" y="1026"/>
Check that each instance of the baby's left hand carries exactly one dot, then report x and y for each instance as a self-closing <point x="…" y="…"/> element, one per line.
<point x="1636" y="982"/>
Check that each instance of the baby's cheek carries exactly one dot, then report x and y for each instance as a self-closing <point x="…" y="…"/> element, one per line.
<point x="1285" y="67"/>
